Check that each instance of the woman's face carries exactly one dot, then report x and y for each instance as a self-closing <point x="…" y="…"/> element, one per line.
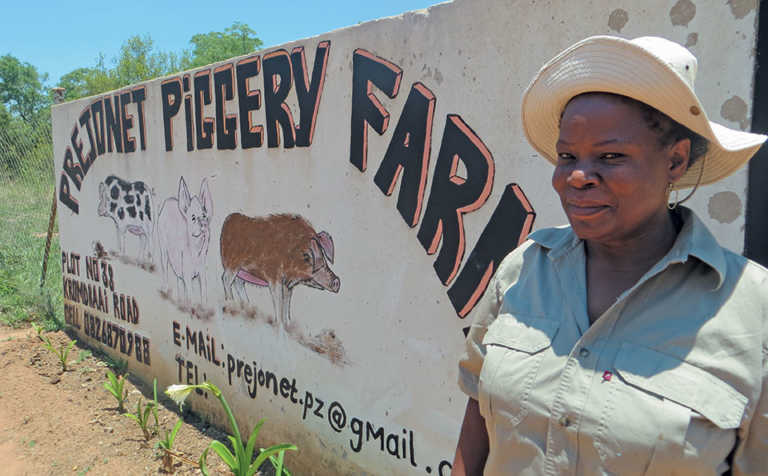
<point x="611" y="172"/>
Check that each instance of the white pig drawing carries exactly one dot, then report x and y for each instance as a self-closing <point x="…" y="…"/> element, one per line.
<point x="183" y="235"/>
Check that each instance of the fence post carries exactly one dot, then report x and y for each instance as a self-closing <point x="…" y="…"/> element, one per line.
<point x="58" y="97"/>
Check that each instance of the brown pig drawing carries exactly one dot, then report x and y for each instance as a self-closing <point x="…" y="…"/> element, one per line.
<point x="279" y="252"/>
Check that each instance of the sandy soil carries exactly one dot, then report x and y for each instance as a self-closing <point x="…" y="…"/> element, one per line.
<point x="54" y="422"/>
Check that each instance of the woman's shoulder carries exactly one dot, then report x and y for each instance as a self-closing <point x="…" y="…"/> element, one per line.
<point x="737" y="276"/>
<point x="534" y="249"/>
<point x="747" y="275"/>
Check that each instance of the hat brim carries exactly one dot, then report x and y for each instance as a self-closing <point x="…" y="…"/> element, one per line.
<point x="615" y="65"/>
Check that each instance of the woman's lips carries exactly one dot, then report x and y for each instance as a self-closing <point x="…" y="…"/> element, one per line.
<point x="585" y="210"/>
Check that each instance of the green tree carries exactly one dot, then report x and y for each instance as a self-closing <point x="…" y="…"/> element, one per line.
<point x="138" y="61"/>
<point x="81" y="82"/>
<point x="21" y="88"/>
<point x="5" y="117"/>
<point x="207" y="48"/>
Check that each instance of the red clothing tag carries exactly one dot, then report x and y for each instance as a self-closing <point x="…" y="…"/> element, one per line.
<point x="607" y="376"/>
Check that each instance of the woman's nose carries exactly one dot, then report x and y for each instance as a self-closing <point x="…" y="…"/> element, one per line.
<point x="582" y="175"/>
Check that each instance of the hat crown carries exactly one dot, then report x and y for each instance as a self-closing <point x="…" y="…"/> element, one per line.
<point x="676" y="56"/>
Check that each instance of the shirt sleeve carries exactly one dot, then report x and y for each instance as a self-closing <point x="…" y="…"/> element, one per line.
<point x="751" y="457"/>
<point x="471" y="361"/>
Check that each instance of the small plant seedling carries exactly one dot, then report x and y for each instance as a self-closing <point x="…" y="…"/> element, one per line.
<point x="120" y="365"/>
<point x="277" y="463"/>
<point x="116" y="386"/>
<point x="38" y="330"/>
<point x="155" y="405"/>
<point x="142" y="417"/>
<point x="82" y="355"/>
<point x="62" y="352"/>
<point x="241" y="463"/>
<point x="166" y="444"/>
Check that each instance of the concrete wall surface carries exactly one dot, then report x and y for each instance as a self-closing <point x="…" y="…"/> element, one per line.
<point x="309" y="226"/>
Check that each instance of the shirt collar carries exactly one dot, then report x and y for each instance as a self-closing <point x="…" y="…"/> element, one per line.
<point x="694" y="240"/>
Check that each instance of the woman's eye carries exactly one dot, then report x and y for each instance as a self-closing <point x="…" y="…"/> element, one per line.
<point x="610" y="156"/>
<point x="564" y="156"/>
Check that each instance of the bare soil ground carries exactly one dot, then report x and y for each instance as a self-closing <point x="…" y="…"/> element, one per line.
<point x="54" y="422"/>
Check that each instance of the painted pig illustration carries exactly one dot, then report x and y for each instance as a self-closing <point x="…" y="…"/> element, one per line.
<point x="278" y="252"/>
<point x="183" y="235"/>
<point x="129" y="205"/>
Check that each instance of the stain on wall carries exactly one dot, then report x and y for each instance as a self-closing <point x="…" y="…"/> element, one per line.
<point x="682" y="12"/>
<point x="735" y="109"/>
<point x="725" y="207"/>
<point x="618" y="19"/>
<point x="405" y="144"/>
<point x="741" y="8"/>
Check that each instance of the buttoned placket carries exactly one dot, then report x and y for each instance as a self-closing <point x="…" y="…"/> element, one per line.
<point x="577" y="376"/>
<point x="578" y="373"/>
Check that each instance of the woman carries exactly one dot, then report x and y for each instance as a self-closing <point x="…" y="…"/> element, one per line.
<point x="630" y="342"/>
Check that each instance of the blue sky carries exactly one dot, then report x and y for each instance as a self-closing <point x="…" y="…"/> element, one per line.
<point x="59" y="36"/>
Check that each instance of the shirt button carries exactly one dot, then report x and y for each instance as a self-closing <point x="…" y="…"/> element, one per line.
<point x="564" y="421"/>
<point x="584" y="352"/>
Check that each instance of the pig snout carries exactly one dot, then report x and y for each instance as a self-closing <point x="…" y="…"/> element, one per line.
<point x="326" y="279"/>
<point x="335" y="284"/>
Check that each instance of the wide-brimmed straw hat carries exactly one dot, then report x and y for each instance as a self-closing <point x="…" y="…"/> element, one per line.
<point x="652" y="70"/>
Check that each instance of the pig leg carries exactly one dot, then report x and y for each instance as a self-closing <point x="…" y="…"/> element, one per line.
<point x="123" y="240"/>
<point x="120" y="239"/>
<point x="181" y="284"/>
<point x="186" y="278"/>
<point x="275" y="294"/>
<point x="240" y="290"/>
<point x="227" y="278"/>
<point x="164" y="269"/>
<point x="179" y="295"/>
<point x="203" y="282"/>
<point x="286" y="304"/>
<point x="142" y="247"/>
<point x="281" y="299"/>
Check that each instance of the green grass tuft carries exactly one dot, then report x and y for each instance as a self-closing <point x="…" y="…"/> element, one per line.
<point x="24" y="211"/>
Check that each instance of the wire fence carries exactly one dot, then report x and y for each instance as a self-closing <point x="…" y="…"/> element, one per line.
<point x="26" y="197"/>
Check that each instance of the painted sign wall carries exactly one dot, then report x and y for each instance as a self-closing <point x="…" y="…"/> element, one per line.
<point x="310" y="226"/>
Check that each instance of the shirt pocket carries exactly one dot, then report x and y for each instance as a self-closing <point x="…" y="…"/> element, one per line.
<point x="515" y="346"/>
<point x="651" y="409"/>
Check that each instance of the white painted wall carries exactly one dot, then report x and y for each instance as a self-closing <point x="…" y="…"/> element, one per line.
<point x="400" y="334"/>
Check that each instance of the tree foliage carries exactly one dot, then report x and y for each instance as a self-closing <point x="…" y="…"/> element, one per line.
<point x="24" y="103"/>
<point x="21" y="89"/>
<point x="139" y="60"/>
<point x="25" y="100"/>
<point x="236" y="40"/>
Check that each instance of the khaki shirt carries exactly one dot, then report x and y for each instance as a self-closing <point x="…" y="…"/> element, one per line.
<point x="668" y="381"/>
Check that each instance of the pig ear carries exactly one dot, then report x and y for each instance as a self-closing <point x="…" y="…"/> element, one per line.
<point x="326" y="244"/>
<point x="184" y="199"/>
<point x="205" y="197"/>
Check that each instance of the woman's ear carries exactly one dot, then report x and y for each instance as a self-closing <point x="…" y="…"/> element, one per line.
<point x="679" y="156"/>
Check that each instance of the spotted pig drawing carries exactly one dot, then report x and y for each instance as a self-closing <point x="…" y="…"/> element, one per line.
<point x="183" y="235"/>
<point x="129" y="205"/>
<point x="279" y="252"/>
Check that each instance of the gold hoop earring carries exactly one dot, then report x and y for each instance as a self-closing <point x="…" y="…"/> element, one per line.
<point x="670" y="188"/>
<point x="695" y="187"/>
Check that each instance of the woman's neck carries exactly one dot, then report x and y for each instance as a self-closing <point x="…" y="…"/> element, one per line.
<point x="639" y="251"/>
